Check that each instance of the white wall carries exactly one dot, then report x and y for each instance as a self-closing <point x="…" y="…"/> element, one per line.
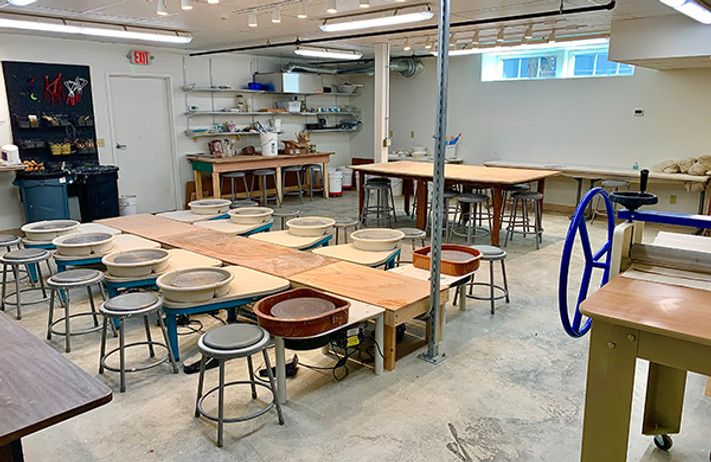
<point x="576" y="121"/>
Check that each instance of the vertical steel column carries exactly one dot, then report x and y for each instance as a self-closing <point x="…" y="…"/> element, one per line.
<point x="433" y="355"/>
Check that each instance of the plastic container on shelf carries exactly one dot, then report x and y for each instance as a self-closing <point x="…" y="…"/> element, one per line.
<point x="335" y="183"/>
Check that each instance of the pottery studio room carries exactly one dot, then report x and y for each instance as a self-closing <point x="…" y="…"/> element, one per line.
<point x="355" y="230"/>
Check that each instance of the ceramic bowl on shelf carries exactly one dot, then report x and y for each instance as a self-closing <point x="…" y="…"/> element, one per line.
<point x="250" y="215"/>
<point x="209" y="206"/>
<point x="83" y="244"/>
<point x="45" y="231"/>
<point x="377" y="239"/>
<point x="195" y="285"/>
<point x="136" y="263"/>
<point x="310" y="226"/>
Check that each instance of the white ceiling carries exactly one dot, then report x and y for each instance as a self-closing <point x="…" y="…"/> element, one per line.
<point x="225" y="24"/>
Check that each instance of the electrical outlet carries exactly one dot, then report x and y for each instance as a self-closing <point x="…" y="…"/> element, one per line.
<point x="100" y="142"/>
<point x="412" y="134"/>
<point x="672" y="199"/>
<point x="639" y="112"/>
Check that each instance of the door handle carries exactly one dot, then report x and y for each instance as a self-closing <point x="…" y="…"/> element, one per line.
<point x="120" y="146"/>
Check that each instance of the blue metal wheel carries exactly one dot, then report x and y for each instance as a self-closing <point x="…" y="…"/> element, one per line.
<point x="599" y="259"/>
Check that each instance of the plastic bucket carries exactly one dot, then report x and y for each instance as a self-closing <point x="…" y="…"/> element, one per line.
<point x="335" y="183"/>
<point x="347" y="177"/>
<point x="270" y="143"/>
<point x="128" y="205"/>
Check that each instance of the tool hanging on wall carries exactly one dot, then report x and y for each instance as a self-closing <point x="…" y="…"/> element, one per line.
<point x="75" y="88"/>
<point x="54" y="91"/>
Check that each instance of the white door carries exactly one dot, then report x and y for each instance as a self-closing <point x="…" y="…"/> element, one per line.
<point x="142" y="140"/>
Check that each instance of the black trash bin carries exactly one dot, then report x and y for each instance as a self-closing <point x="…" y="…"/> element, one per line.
<point x="44" y="195"/>
<point x="98" y="192"/>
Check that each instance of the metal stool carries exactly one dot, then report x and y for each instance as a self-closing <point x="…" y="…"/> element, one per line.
<point x="243" y="203"/>
<point x="448" y="210"/>
<point x="384" y="201"/>
<point x="342" y="224"/>
<point x="233" y="177"/>
<point x="231" y="342"/>
<point x="514" y="188"/>
<point x="15" y="259"/>
<point x="467" y="216"/>
<point x="121" y="308"/>
<point x="285" y="215"/>
<point x="523" y="199"/>
<point x="263" y="174"/>
<point x="12" y="242"/>
<point x="491" y="254"/>
<point x="413" y="235"/>
<point x="311" y="170"/>
<point x="294" y="169"/>
<point x="609" y="186"/>
<point x="62" y="282"/>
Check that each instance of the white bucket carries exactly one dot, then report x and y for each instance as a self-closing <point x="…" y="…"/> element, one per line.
<point x="335" y="183"/>
<point x="270" y="143"/>
<point x="127" y="205"/>
<point x="347" y="177"/>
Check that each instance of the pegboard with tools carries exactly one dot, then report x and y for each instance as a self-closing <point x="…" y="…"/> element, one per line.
<point x="51" y="112"/>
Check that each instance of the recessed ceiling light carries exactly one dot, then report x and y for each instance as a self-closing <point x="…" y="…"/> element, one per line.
<point x="162" y="8"/>
<point x="332" y="7"/>
<point x="186" y="5"/>
<point x="381" y="18"/>
<point x="20" y="2"/>
<point x="252" y="19"/>
<point x="303" y="12"/>
<point x="692" y="8"/>
<point x="328" y="53"/>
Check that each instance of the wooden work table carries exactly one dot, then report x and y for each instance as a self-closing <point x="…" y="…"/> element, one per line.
<point x="38" y="388"/>
<point x="148" y="226"/>
<point x="668" y="325"/>
<point x="241" y="163"/>
<point x="498" y="179"/>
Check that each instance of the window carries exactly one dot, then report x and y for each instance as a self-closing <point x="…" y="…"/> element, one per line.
<point x="551" y="63"/>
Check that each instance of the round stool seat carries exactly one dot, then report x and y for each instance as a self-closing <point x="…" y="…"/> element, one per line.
<point x="75" y="277"/>
<point x="133" y="302"/>
<point x="413" y="233"/>
<point x="234" y="175"/>
<point x="451" y="193"/>
<point x="243" y="203"/>
<point x="518" y="187"/>
<point x="264" y="172"/>
<point x="472" y="198"/>
<point x="315" y="167"/>
<point x="26" y="254"/>
<point x="293" y="168"/>
<point x="612" y="184"/>
<point x="490" y="252"/>
<point x="345" y="222"/>
<point x="376" y="186"/>
<point x="233" y="337"/>
<point x="281" y="213"/>
<point x="528" y="195"/>
<point x="9" y="239"/>
<point x="378" y="181"/>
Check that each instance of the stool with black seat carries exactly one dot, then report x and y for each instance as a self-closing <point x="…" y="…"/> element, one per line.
<point x="384" y="202"/>
<point x="470" y="209"/>
<point x="60" y="284"/>
<point x="119" y="309"/>
<point x="524" y="200"/>
<point x="228" y="342"/>
<point x="13" y="242"/>
<point x="15" y="259"/>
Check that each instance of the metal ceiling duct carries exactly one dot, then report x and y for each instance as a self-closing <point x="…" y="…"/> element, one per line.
<point x="407" y="67"/>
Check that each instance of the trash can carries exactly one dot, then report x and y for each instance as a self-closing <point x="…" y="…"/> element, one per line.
<point x="44" y="195"/>
<point x="98" y="192"/>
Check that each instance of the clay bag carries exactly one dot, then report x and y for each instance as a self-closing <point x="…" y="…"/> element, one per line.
<point x="698" y="169"/>
<point x="685" y="165"/>
<point x="666" y="166"/>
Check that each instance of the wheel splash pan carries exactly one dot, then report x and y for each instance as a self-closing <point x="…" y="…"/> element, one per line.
<point x="250" y="215"/>
<point x="302" y="312"/>
<point x="45" y="231"/>
<point x="377" y="239"/>
<point x="137" y="262"/>
<point x="209" y="206"/>
<point x="83" y="244"/>
<point x="195" y="285"/>
<point x="310" y="226"/>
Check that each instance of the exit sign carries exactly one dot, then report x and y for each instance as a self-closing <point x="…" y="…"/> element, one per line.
<point x="140" y="57"/>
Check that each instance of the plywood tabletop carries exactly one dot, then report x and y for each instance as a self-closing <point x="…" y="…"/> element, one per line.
<point x="459" y="173"/>
<point x="250" y="253"/>
<point x="255" y="158"/>
<point x="671" y="310"/>
<point x="148" y="226"/>
<point x="38" y="386"/>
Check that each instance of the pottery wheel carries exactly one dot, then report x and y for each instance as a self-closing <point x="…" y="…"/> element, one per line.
<point x="88" y="238"/>
<point x="306" y="307"/>
<point x="138" y="256"/>
<point x="197" y="278"/>
<point x="375" y="235"/>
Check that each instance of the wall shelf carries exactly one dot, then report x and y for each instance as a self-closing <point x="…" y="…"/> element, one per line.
<point x="261" y="92"/>
<point x="267" y="113"/>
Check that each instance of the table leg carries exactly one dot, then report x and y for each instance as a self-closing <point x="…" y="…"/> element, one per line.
<point x="408" y="187"/>
<point x="278" y="185"/>
<point x="421" y="220"/>
<point x="12" y="451"/>
<point x="578" y="191"/>
<point x="608" y="396"/>
<point x="497" y="194"/>
<point x="379" y="325"/>
<point x="361" y="193"/>
<point x="216" y="186"/>
<point x="463" y="295"/>
<point x="171" y="325"/>
<point x="325" y="180"/>
<point x="541" y="189"/>
<point x="389" y="347"/>
<point x="665" y="400"/>
<point x="198" y="184"/>
<point x="280" y="354"/>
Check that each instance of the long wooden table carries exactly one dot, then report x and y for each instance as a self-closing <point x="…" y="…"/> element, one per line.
<point x="38" y="388"/>
<point x="216" y="166"/>
<point x="668" y="325"/>
<point x="498" y="179"/>
<point x="149" y="226"/>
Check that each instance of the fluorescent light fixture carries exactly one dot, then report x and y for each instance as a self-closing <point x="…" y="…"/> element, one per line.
<point x="526" y="46"/>
<point x="363" y="3"/>
<point x="332" y="7"/>
<point x="303" y="12"/>
<point x="276" y="15"/>
<point x="252" y="19"/>
<point x="162" y="7"/>
<point x="691" y="8"/>
<point x="328" y="53"/>
<point x="382" y="18"/>
<point x="93" y="31"/>
<point x="186" y="5"/>
<point x="20" y="2"/>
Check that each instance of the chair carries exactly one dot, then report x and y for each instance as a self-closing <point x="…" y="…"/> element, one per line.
<point x="16" y="259"/>
<point x="228" y="342"/>
<point x="523" y="200"/>
<point x="233" y="176"/>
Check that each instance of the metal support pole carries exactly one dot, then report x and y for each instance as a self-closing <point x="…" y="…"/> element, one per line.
<point x="433" y="354"/>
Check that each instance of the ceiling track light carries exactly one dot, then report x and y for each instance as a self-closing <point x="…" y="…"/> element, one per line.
<point x="162" y="7"/>
<point x="699" y="10"/>
<point x="303" y="11"/>
<point x="363" y="3"/>
<point x="252" y="19"/>
<point x="332" y="7"/>
<point x="328" y="53"/>
<point x="379" y="18"/>
<point x="276" y="15"/>
<point x="500" y="35"/>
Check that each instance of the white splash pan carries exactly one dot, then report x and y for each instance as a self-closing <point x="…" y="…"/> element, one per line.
<point x="83" y="244"/>
<point x="209" y="206"/>
<point x="136" y="263"/>
<point x="310" y="226"/>
<point x="196" y="285"/>
<point x="45" y="231"/>
<point x="251" y="215"/>
<point x="377" y="239"/>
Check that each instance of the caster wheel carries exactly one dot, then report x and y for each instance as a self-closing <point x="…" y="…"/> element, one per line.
<point x="663" y="442"/>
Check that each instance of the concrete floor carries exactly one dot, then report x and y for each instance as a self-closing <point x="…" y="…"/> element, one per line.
<point x="511" y="389"/>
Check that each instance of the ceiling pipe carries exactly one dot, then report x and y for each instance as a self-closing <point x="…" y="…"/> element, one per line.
<point x="473" y="22"/>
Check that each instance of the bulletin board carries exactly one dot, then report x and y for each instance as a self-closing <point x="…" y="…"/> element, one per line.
<point x="51" y="111"/>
